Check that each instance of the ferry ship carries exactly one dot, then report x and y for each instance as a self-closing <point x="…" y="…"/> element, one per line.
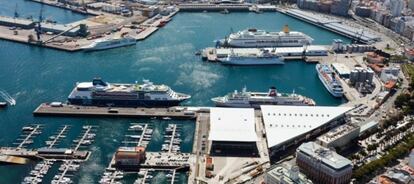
<point x="263" y="58"/>
<point x="100" y="93"/>
<point x="255" y="99"/>
<point x="109" y="43"/>
<point x="251" y="38"/>
<point x="328" y="79"/>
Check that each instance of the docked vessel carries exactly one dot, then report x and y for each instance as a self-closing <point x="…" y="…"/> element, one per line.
<point x="109" y="43"/>
<point x="100" y="93"/>
<point x="264" y="57"/>
<point x="3" y="104"/>
<point x="251" y="38"/>
<point x="329" y="80"/>
<point x="255" y="99"/>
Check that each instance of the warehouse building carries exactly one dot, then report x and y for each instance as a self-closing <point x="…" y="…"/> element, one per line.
<point x="339" y="137"/>
<point x="129" y="158"/>
<point x="342" y="70"/>
<point x="233" y="132"/>
<point x="287" y="126"/>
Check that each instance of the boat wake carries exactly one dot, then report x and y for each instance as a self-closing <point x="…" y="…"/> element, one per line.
<point x="7" y="97"/>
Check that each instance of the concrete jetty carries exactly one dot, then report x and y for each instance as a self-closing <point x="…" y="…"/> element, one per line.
<point x="127" y="112"/>
<point x="199" y="7"/>
<point x="335" y="25"/>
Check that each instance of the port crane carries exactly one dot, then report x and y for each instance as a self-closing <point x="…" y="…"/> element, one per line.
<point x="16" y="14"/>
<point x="38" y="27"/>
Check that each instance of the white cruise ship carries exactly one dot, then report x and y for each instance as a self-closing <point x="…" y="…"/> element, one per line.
<point x="264" y="57"/>
<point x="109" y="43"/>
<point x="255" y="99"/>
<point x="329" y="80"/>
<point x="252" y="38"/>
<point x="101" y="93"/>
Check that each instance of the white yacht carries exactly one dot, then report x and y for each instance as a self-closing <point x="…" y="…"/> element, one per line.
<point x="109" y="43"/>
<point x="252" y="38"/>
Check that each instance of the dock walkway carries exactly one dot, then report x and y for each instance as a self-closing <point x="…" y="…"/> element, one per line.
<point x="94" y="111"/>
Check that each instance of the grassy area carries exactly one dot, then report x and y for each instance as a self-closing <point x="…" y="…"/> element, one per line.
<point x="402" y="149"/>
<point x="408" y="69"/>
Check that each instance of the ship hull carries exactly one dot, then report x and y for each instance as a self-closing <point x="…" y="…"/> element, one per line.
<point x="96" y="48"/>
<point x="256" y="105"/>
<point x="252" y="61"/>
<point x="325" y="83"/>
<point x="125" y="103"/>
<point x="260" y="44"/>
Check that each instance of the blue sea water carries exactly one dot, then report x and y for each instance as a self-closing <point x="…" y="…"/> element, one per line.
<point x="34" y="75"/>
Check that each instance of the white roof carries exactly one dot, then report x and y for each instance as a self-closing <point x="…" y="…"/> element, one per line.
<point x="85" y="85"/>
<point x="284" y="123"/>
<point x="232" y="124"/>
<point x="341" y="68"/>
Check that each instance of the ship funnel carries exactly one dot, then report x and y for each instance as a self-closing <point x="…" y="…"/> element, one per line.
<point x="98" y="81"/>
<point x="272" y="91"/>
<point x="286" y="29"/>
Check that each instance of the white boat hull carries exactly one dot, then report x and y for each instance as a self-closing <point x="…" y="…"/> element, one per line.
<point x="325" y="83"/>
<point x="109" y="46"/>
<point x="252" y="61"/>
<point x="262" y="44"/>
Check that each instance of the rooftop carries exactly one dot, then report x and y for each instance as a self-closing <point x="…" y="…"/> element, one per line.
<point x="283" y="123"/>
<point x="283" y="172"/>
<point x="232" y="124"/>
<point x="338" y="132"/>
<point x="341" y="68"/>
<point x="325" y="155"/>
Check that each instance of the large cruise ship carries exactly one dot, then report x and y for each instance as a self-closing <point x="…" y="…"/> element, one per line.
<point x="329" y="80"/>
<point x="260" y="38"/>
<point x="109" y="43"/>
<point x="102" y="93"/>
<point x="255" y="99"/>
<point x="263" y="58"/>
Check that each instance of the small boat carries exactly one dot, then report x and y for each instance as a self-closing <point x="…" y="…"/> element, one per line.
<point x="3" y="104"/>
<point x="225" y="11"/>
<point x="135" y="136"/>
<point x="27" y="128"/>
<point x="166" y="118"/>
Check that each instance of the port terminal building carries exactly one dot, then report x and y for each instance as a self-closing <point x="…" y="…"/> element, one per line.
<point x="233" y="132"/>
<point x="288" y="126"/>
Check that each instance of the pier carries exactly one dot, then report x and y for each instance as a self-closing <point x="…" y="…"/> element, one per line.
<point x="58" y="136"/>
<point x="27" y="140"/>
<point x="332" y="24"/>
<point x="126" y="112"/>
<point x="214" y="7"/>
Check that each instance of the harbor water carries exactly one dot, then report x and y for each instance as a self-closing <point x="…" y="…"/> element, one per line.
<point x="33" y="75"/>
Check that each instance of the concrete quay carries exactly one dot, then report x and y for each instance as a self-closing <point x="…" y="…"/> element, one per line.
<point x="332" y="24"/>
<point x="214" y="7"/>
<point x="67" y="7"/>
<point x="131" y="112"/>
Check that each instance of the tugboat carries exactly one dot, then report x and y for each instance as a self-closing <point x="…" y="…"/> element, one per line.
<point x="3" y="104"/>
